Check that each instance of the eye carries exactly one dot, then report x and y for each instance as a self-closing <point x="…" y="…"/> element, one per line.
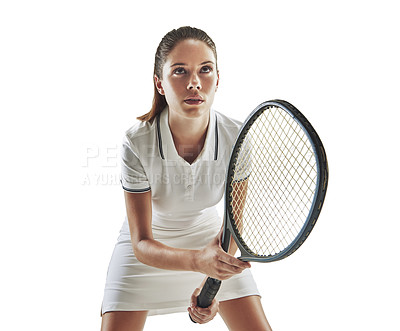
<point x="179" y="71"/>
<point x="206" y="69"/>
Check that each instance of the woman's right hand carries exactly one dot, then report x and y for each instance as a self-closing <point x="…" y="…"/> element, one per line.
<point x="214" y="262"/>
<point x="202" y="315"/>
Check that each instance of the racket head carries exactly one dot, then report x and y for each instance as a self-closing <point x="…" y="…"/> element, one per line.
<point x="276" y="183"/>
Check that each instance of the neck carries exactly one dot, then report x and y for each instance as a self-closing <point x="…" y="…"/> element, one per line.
<point x="189" y="134"/>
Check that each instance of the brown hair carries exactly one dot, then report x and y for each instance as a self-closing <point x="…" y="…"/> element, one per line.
<point x="168" y="42"/>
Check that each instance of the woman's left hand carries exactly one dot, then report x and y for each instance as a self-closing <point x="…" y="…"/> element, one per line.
<point x="202" y="315"/>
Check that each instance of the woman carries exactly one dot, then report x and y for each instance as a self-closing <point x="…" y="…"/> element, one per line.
<point x="173" y="170"/>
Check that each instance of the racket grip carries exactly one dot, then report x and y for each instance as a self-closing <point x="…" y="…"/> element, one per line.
<point x="208" y="293"/>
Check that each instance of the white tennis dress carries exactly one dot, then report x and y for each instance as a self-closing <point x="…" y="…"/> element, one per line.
<point x="183" y="215"/>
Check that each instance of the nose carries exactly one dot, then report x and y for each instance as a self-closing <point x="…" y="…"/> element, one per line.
<point x="194" y="82"/>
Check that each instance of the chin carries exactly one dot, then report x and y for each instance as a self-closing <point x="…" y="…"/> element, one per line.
<point x="196" y="111"/>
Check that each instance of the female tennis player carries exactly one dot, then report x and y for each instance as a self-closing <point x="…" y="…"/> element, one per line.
<point x="174" y="163"/>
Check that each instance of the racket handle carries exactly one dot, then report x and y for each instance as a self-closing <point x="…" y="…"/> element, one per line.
<point x="208" y="293"/>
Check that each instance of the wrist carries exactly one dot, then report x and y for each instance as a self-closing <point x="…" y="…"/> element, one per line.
<point x="195" y="260"/>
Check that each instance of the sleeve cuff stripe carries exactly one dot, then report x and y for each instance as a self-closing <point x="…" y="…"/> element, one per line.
<point x="136" y="190"/>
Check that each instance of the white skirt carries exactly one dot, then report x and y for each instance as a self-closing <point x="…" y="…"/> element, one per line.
<point x="134" y="286"/>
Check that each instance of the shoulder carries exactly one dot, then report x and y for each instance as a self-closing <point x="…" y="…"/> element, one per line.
<point x="139" y="129"/>
<point x="228" y="127"/>
<point x="139" y="139"/>
<point x="228" y="122"/>
<point x="140" y="132"/>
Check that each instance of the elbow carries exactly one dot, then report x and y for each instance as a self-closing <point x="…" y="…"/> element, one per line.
<point x="140" y="250"/>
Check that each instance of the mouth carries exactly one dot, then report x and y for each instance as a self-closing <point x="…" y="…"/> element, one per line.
<point x="195" y="100"/>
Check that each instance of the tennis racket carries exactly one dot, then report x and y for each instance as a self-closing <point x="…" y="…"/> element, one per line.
<point x="275" y="187"/>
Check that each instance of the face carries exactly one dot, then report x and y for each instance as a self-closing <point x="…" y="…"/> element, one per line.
<point x="190" y="79"/>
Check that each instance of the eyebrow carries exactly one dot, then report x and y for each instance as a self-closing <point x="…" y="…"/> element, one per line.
<point x="184" y="64"/>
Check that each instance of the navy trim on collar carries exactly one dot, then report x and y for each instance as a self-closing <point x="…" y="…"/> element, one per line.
<point x="159" y="137"/>
<point x="216" y="138"/>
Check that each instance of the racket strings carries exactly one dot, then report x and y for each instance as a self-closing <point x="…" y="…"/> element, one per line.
<point x="273" y="183"/>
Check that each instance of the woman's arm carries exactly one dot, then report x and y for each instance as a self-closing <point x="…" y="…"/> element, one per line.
<point x="211" y="260"/>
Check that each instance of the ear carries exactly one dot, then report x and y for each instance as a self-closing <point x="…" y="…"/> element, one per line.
<point x="158" y="83"/>
<point x="216" y="86"/>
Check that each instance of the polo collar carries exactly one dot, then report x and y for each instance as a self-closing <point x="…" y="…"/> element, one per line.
<point x="166" y="144"/>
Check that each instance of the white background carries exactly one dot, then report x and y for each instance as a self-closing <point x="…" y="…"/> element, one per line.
<point x="74" y="76"/>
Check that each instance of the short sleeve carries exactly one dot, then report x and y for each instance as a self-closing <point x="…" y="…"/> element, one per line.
<point x="133" y="176"/>
<point x="243" y="161"/>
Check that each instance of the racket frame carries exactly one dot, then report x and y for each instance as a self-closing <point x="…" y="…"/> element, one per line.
<point x="318" y="199"/>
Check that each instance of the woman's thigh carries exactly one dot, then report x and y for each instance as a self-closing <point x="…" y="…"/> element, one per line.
<point x="244" y="314"/>
<point x="123" y="321"/>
